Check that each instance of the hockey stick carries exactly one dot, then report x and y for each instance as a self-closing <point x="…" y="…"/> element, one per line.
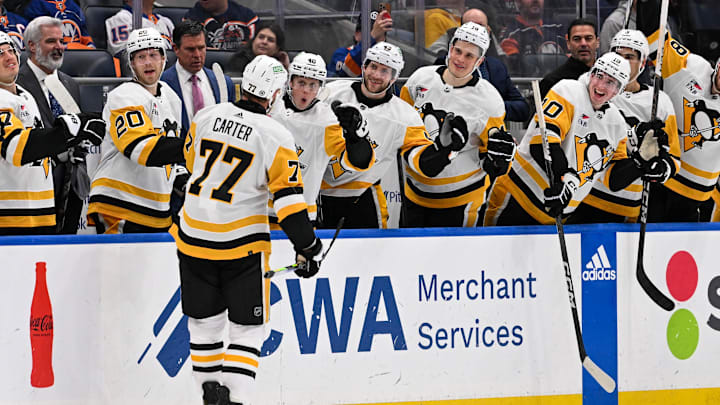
<point x="653" y="292"/>
<point x="628" y="10"/>
<point x="301" y="266"/>
<point x="222" y="86"/>
<point x="61" y="94"/>
<point x="602" y="378"/>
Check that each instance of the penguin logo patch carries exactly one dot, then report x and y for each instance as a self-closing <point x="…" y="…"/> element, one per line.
<point x="593" y="155"/>
<point x="700" y="124"/>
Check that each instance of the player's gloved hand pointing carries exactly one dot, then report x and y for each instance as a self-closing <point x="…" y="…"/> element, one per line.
<point x="351" y="121"/>
<point x="309" y="259"/>
<point x="501" y="150"/>
<point x="82" y="127"/>
<point x="453" y="133"/>
<point x="558" y="196"/>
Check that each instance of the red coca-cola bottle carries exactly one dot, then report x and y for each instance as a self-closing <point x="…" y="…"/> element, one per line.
<point x="41" y="331"/>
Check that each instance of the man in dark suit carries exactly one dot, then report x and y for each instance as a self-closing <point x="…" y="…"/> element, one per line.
<point x="44" y="44"/>
<point x="195" y="84"/>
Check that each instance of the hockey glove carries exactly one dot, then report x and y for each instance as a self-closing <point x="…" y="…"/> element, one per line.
<point x="659" y="168"/>
<point x="82" y="127"/>
<point x="351" y="120"/>
<point x="558" y="196"/>
<point x="453" y="133"/>
<point x="309" y="259"/>
<point x="500" y="153"/>
<point x="646" y="139"/>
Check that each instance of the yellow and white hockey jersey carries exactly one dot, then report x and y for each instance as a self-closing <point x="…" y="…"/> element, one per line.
<point x="238" y="159"/>
<point x="318" y="140"/>
<point x="687" y="82"/>
<point x="26" y="188"/>
<point x="636" y="108"/>
<point x="392" y="126"/>
<point x="590" y="139"/>
<point x="479" y="103"/>
<point x="123" y="186"/>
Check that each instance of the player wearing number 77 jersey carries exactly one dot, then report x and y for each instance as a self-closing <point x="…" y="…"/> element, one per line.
<point x="130" y="190"/>
<point x="238" y="156"/>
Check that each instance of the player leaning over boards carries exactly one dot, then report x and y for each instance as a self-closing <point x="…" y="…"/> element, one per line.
<point x="130" y="190"/>
<point x="27" y="204"/>
<point x="392" y="125"/>
<point x="586" y="135"/>
<point x="319" y="134"/>
<point x="237" y="155"/>
<point x="635" y="103"/>
<point x="450" y="96"/>
<point x="694" y="89"/>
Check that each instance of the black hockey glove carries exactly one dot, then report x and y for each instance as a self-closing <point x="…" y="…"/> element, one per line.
<point x="500" y="153"/>
<point x="309" y="259"/>
<point x="453" y="133"/>
<point x="82" y="127"/>
<point x="659" y="169"/>
<point x="558" y="196"/>
<point x="646" y="140"/>
<point x="351" y="121"/>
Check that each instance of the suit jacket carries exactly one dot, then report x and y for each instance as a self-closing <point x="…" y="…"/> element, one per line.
<point x="170" y="77"/>
<point x="28" y="80"/>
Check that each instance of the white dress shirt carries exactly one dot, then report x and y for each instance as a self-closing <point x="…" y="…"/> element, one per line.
<point x="184" y="77"/>
<point x="40" y="75"/>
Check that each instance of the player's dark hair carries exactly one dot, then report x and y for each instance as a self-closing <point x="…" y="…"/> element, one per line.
<point x="581" y="21"/>
<point x="276" y="29"/>
<point x="187" y="27"/>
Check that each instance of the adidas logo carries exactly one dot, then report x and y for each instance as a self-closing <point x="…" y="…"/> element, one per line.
<point x="598" y="268"/>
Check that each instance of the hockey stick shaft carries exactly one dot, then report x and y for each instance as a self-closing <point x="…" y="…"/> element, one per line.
<point x="605" y="381"/>
<point x="650" y="289"/>
<point x="61" y="94"/>
<point x="220" y="78"/>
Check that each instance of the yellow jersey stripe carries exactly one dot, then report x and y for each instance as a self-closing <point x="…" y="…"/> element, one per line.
<point x="31" y="221"/>
<point x="22" y="141"/>
<point x="130" y="189"/>
<point x="226" y="227"/>
<point x="443" y="181"/>
<point x="241" y="359"/>
<point x="27" y="195"/>
<point x="206" y="359"/>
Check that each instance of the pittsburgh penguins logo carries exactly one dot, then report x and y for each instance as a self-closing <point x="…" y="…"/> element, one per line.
<point x="170" y="128"/>
<point x="299" y="150"/>
<point x="593" y="155"/>
<point x="432" y="118"/>
<point x="336" y="167"/>
<point x="700" y="124"/>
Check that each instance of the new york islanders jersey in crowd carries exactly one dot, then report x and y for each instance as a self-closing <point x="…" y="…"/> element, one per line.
<point x="589" y="138"/>
<point x="124" y="186"/>
<point x="392" y="126"/>
<point x="26" y="188"/>
<point x="71" y="15"/>
<point x="238" y="157"/>
<point x="635" y="108"/>
<point x="481" y="106"/>
<point x="687" y="82"/>
<point x="228" y="30"/>
<point x="13" y="25"/>
<point x="118" y="28"/>
<point x="318" y="140"/>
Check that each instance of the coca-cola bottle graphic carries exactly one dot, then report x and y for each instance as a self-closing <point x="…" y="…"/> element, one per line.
<point x="41" y="331"/>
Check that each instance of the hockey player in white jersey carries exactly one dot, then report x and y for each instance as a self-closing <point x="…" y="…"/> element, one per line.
<point x="455" y="196"/>
<point x="693" y="85"/>
<point x="319" y="136"/>
<point x="237" y="156"/>
<point x="118" y="26"/>
<point x="635" y="103"/>
<point x="392" y="126"/>
<point x="586" y="134"/>
<point x="27" y="204"/>
<point x="130" y="190"/>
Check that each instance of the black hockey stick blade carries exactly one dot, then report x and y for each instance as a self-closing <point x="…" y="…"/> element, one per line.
<point x="658" y="297"/>
<point x="602" y="378"/>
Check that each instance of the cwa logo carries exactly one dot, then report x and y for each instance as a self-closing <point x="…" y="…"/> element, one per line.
<point x="683" y="333"/>
<point x="599" y="268"/>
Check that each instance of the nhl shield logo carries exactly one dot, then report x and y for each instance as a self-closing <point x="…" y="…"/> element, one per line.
<point x="257" y="311"/>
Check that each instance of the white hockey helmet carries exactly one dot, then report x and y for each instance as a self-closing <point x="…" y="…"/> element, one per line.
<point x="474" y="33"/>
<point x="263" y="76"/>
<point x="614" y="65"/>
<point x="308" y="65"/>
<point x="144" y="38"/>
<point x="386" y="54"/>
<point x="635" y="40"/>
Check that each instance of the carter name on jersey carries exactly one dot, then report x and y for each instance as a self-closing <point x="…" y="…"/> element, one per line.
<point x="232" y="128"/>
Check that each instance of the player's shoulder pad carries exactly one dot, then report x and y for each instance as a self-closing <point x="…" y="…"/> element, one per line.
<point x="492" y="100"/>
<point x="422" y="73"/>
<point x="402" y="112"/>
<point x="169" y="93"/>
<point x="701" y="69"/>
<point x="127" y="94"/>
<point x="569" y="89"/>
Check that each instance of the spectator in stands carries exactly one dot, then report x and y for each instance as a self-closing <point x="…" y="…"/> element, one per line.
<point x="527" y="35"/>
<point x="439" y="20"/>
<point x="337" y="61"/>
<point x="494" y="71"/>
<point x="118" y="26"/>
<point x="195" y="84"/>
<point x="13" y="25"/>
<point x="270" y="41"/>
<point x="228" y="24"/>
<point x="44" y="43"/>
<point x="583" y="44"/>
<point x="614" y="23"/>
<point x="350" y="66"/>
<point x="75" y="33"/>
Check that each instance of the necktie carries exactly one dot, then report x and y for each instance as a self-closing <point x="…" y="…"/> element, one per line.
<point x="198" y="102"/>
<point x="55" y="106"/>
